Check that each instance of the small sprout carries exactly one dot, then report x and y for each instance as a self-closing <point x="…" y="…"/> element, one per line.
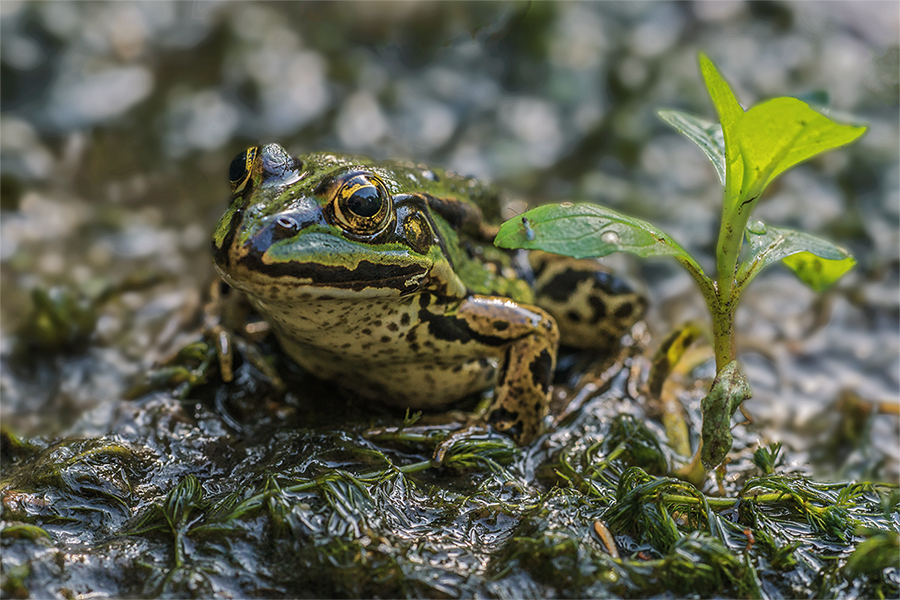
<point x="748" y="149"/>
<point x="767" y="458"/>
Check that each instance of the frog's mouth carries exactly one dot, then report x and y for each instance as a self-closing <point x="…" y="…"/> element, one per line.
<point x="312" y="278"/>
<point x="322" y="265"/>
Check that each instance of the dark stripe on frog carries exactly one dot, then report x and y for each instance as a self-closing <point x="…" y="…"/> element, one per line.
<point x="635" y="307"/>
<point x="542" y="370"/>
<point x="367" y="274"/>
<point x="454" y="329"/>
<point x="507" y="421"/>
<point x="560" y="288"/>
<point x="599" y="307"/>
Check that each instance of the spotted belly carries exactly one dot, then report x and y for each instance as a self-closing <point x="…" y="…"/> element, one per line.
<point x="404" y="353"/>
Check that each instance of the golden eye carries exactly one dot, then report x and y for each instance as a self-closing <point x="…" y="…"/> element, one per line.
<point x="363" y="205"/>
<point x="241" y="169"/>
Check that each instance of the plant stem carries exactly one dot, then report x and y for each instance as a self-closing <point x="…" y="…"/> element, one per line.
<point x="722" y="312"/>
<point x="727" y="263"/>
<point x="721" y="300"/>
<point x="731" y="236"/>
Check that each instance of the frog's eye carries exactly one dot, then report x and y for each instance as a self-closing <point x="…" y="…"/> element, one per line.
<point x="362" y="204"/>
<point x="241" y="169"/>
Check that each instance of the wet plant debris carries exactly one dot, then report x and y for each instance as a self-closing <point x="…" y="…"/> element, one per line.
<point x="174" y="501"/>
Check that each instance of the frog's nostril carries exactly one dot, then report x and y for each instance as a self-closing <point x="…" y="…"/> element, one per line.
<point x="286" y="222"/>
<point x="284" y="226"/>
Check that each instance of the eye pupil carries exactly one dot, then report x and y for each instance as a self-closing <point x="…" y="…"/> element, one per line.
<point x="365" y="202"/>
<point x="240" y="170"/>
<point x="362" y="205"/>
<point x="238" y="167"/>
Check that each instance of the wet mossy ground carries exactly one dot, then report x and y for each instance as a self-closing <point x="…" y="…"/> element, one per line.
<point x="240" y="490"/>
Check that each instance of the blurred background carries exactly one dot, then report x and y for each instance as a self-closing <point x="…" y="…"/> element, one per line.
<point x="119" y="121"/>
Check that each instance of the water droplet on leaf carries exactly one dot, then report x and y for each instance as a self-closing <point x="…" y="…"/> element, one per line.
<point x="609" y="237"/>
<point x="757" y="227"/>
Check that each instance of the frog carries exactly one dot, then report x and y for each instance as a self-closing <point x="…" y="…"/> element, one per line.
<point x="381" y="276"/>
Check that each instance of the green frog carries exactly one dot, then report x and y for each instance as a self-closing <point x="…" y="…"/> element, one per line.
<point x="382" y="277"/>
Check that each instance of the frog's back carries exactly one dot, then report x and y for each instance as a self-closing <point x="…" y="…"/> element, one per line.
<point x="448" y="186"/>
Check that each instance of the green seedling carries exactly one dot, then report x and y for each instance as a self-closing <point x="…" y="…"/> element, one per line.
<point x="748" y="149"/>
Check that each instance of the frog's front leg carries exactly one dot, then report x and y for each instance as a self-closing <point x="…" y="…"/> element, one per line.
<point x="530" y="340"/>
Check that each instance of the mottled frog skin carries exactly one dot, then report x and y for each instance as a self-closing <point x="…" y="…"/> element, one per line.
<point x="382" y="277"/>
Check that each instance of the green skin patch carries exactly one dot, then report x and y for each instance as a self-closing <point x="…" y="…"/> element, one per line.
<point x="382" y="276"/>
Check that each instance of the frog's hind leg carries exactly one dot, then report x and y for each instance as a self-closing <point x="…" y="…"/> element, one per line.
<point x="528" y="339"/>
<point x="593" y="307"/>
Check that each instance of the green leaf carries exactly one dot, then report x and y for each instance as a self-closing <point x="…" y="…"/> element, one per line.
<point x="706" y="134"/>
<point x="817" y="262"/>
<point x="587" y="230"/>
<point x="728" y="390"/>
<point x="590" y="230"/>
<point x="730" y="114"/>
<point x="777" y="134"/>
<point x="816" y="272"/>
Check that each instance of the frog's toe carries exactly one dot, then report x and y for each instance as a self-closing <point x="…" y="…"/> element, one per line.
<point x="522" y="428"/>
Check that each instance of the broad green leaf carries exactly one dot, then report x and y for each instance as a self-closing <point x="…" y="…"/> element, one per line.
<point x="777" y="134"/>
<point x="587" y="230"/>
<point x="728" y="390"/>
<point x="817" y="262"/>
<point x="704" y="133"/>
<point x="730" y="115"/>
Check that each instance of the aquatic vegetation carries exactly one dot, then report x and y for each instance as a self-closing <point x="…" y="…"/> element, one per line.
<point x="333" y="511"/>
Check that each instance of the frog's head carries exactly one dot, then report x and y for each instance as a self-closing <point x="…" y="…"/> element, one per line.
<point x="324" y="226"/>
